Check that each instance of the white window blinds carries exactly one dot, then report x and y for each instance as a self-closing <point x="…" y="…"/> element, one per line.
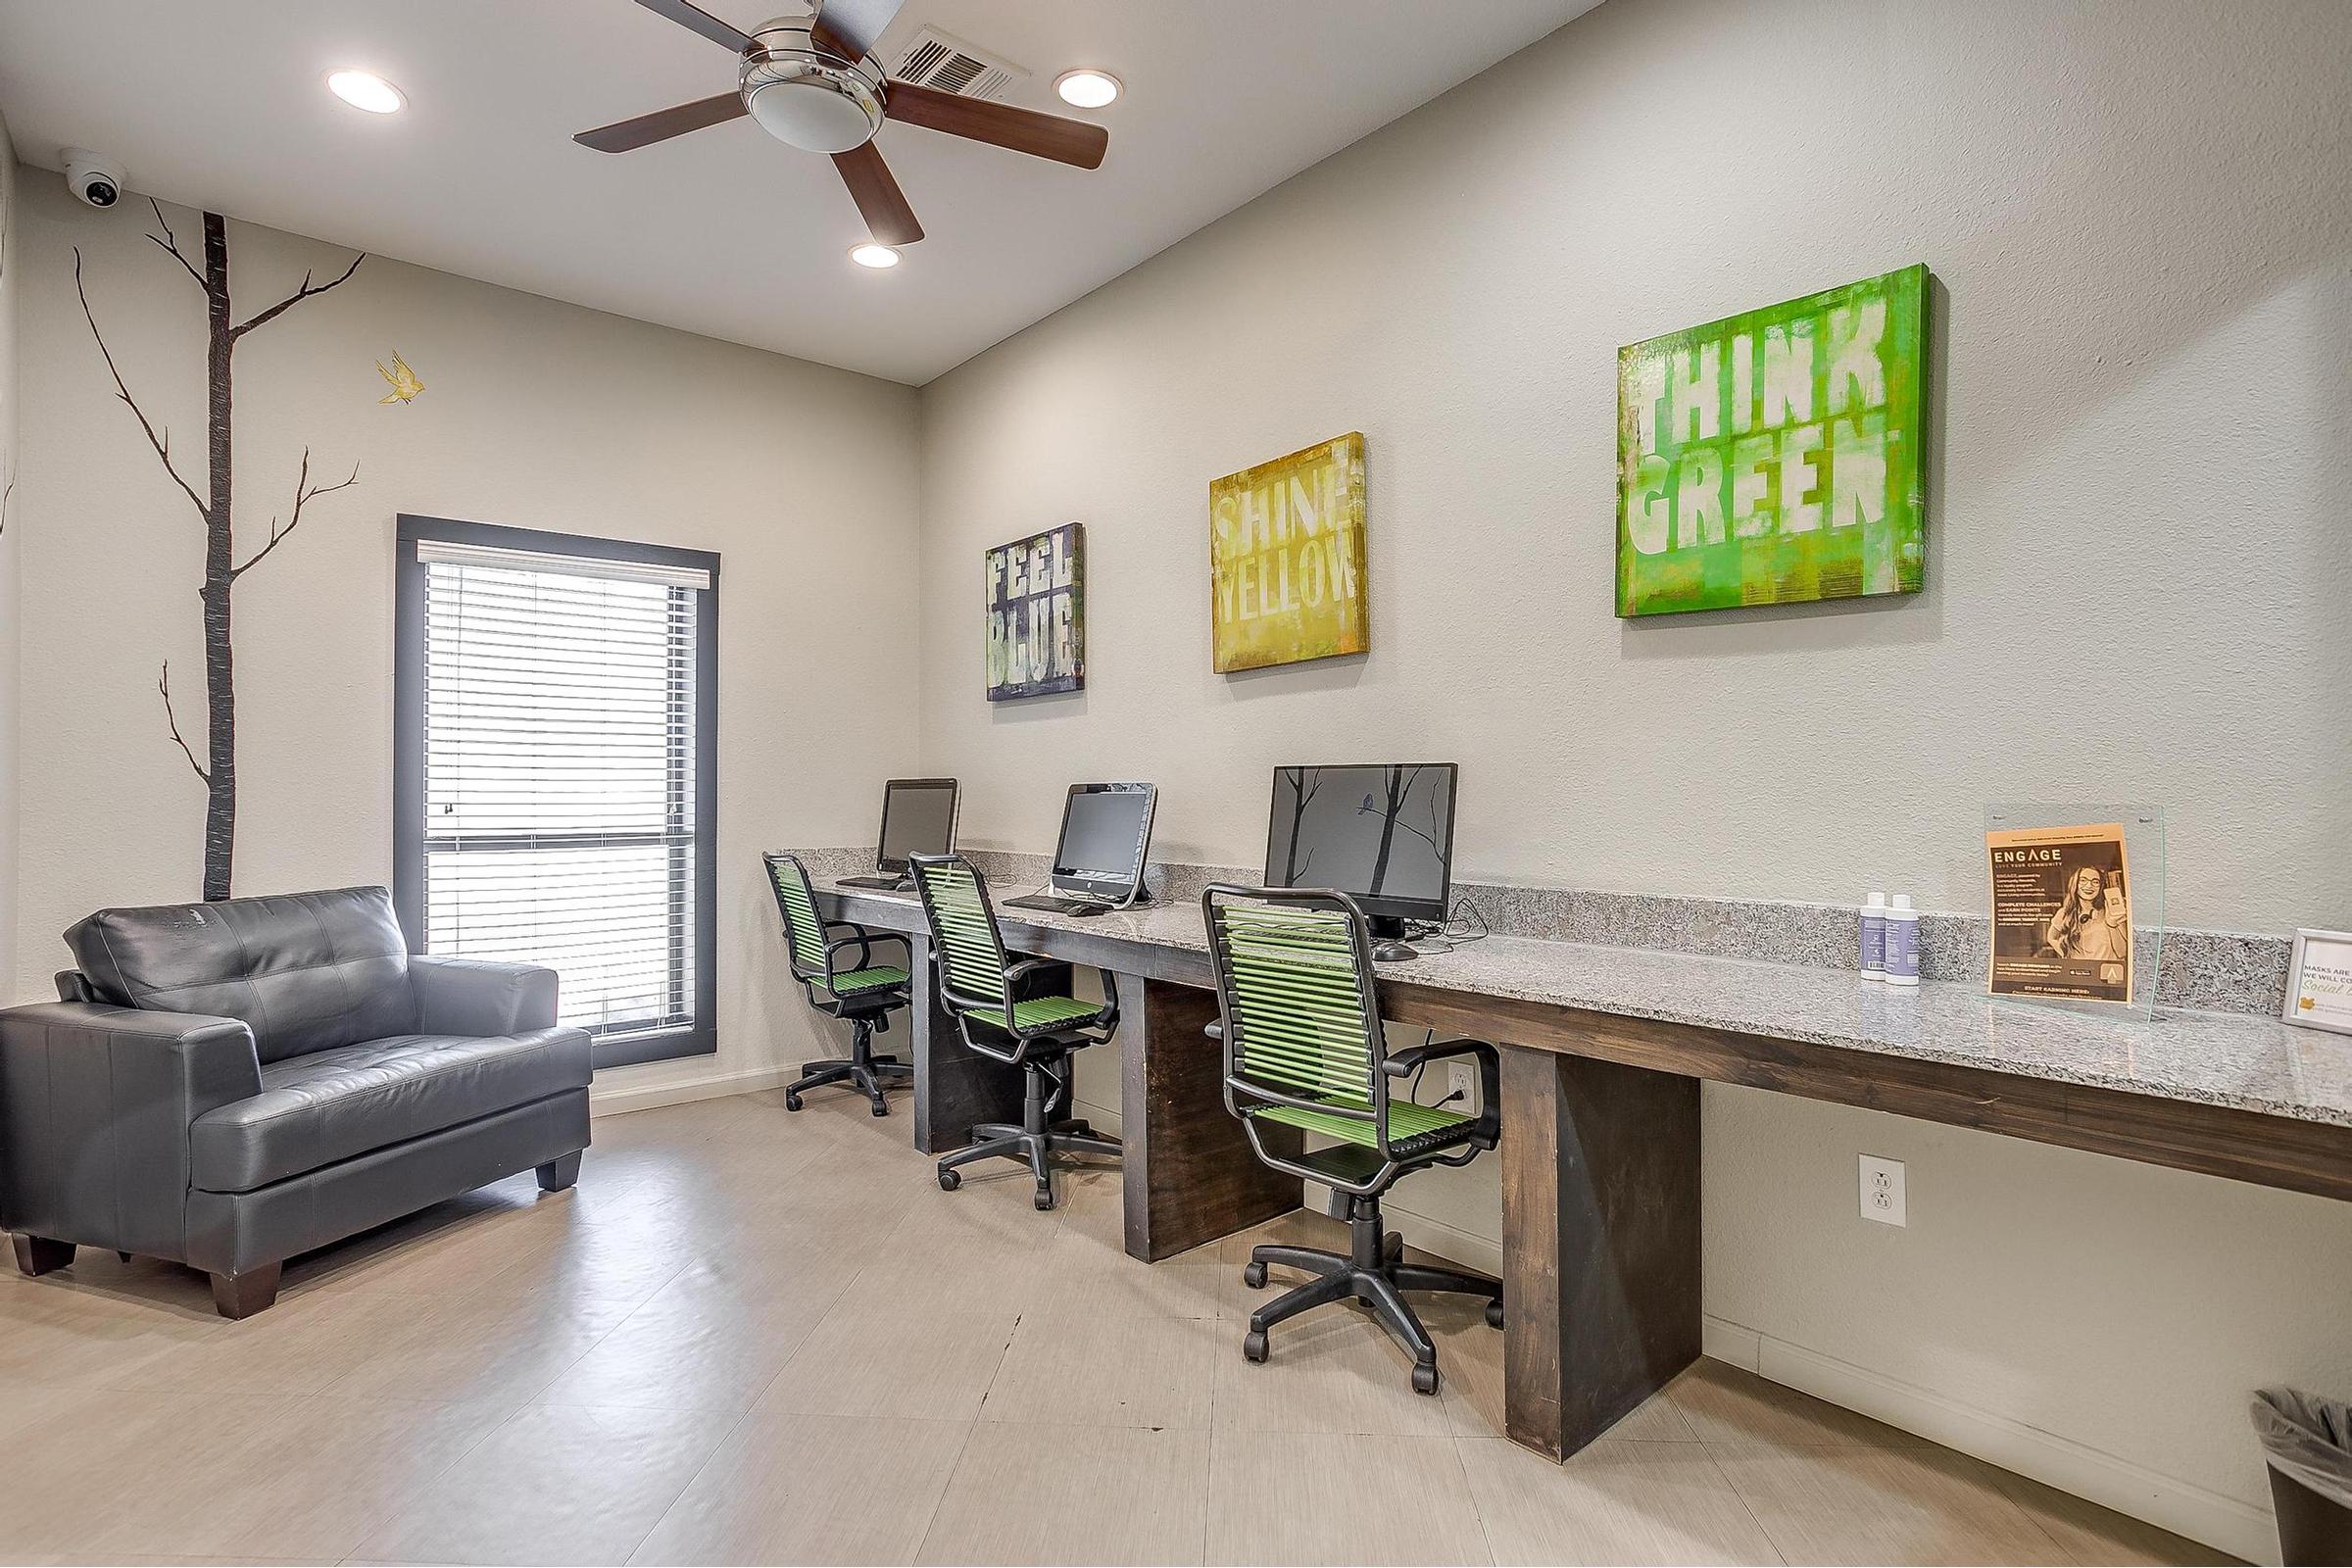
<point x="560" y="788"/>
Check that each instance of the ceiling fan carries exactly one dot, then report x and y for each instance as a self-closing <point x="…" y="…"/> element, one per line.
<point x="812" y="82"/>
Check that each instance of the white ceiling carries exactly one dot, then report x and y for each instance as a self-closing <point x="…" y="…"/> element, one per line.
<point x="221" y="103"/>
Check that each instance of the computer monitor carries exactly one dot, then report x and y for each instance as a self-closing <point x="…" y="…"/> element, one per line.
<point x="1381" y="833"/>
<point x="1106" y="835"/>
<point x="919" y="817"/>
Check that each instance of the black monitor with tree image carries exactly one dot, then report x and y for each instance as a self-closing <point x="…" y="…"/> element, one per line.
<point x="1381" y="833"/>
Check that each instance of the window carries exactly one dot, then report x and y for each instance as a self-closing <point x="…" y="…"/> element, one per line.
<point x="556" y="702"/>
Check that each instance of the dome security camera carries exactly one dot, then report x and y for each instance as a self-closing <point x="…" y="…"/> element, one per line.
<point x="95" y="179"/>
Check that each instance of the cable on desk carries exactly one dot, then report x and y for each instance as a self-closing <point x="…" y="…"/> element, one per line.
<point x="1454" y="932"/>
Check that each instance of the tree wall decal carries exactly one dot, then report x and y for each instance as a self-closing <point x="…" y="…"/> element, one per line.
<point x="222" y="570"/>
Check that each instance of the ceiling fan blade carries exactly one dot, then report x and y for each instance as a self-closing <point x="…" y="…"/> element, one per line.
<point x="701" y="20"/>
<point x="888" y="218"/>
<point x="1024" y="131"/>
<point x="831" y="43"/>
<point x="627" y="135"/>
<point x="858" y="23"/>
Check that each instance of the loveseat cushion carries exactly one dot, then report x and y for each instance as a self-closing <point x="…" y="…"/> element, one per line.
<point x="305" y="972"/>
<point x="329" y="1105"/>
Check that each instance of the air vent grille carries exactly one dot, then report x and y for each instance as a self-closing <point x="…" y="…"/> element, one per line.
<point x="947" y="64"/>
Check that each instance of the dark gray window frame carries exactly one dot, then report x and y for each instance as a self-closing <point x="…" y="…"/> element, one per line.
<point x="701" y="1036"/>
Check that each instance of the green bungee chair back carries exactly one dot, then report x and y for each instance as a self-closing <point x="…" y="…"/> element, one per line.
<point x="998" y="1018"/>
<point x="834" y="963"/>
<point x="1298" y="1015"/>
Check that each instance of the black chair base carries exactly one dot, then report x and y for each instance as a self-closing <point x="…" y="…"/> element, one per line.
<point x="1036" y="1142"/>
<point x="861" y="1071"/>
<point x="1373" y="1272"/>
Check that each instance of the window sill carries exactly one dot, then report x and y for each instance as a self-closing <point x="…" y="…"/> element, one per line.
<point x="660" y="1045"/>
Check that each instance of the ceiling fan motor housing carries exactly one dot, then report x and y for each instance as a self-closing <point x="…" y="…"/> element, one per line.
<point x="807" y="96"/>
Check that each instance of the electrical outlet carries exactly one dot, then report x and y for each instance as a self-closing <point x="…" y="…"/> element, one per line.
<point x="1461" y="1079"/>
<point x="1883" y="1189"/>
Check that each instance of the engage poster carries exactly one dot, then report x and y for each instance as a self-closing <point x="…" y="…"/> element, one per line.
<point x="2061" y="912"/>
<point x="1776" y="457"/>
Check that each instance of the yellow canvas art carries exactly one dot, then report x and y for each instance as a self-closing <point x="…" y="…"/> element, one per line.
<point x="1286" y="559"/>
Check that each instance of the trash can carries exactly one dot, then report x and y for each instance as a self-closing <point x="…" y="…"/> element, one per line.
<point x="2307" y="1441"/>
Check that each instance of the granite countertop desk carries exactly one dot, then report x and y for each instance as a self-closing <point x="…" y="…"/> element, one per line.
<point x="2233" y="1060"/>
<point x="1604" y="1049"/>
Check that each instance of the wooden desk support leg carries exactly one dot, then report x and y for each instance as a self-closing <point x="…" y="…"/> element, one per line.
<point x="954" y="1086"/>
<point x="1189" y="1174"/>
<point x="1599" y="1243"/>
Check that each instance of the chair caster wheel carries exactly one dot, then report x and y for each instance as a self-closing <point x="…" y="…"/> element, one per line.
<point x="1254" y="1345"/>
<point x="1254" y="1276"/>
<point x="1425" y="1379"/>
<point x="1044" y="1197"/>
<point x="881" y="1110"/>
<point x="792" y="1102"/>
<point x="950" y="1180"/>
<point x="1391" y="1249"/>
<point x="1494" y="1314"/>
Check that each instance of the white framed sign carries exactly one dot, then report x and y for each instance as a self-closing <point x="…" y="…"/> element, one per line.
<point x="2319" y="981"/>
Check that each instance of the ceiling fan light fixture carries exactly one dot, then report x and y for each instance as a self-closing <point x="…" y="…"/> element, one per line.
<point x="812" y="115"/>
<point x="807" y="97"/>
<point x="365" y="90"/>
<point x="1088" y="89"/>
<point x="880" y="258"/>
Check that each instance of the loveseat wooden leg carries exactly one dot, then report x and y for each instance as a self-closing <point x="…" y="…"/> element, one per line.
<point x="240" y="1296"/>
<point x="38" y="1254"/>
<point x="557" y="1174"/>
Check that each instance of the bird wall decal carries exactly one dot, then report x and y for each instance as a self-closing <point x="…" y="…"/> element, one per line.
<point x="404" y="385"/>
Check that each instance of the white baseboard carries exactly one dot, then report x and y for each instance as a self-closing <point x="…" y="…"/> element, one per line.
<point x="620" y="1097"/>
<point x="1729" y="1343"/>
<point x="2182" y="1507"/>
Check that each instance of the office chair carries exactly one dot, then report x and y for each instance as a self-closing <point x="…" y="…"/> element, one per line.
<point x="1036" y="1034"/>
<point x="862" y="993"/>
<point x="1301" y="1025"/>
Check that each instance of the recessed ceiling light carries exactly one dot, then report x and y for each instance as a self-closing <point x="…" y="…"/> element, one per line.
<point x="874" y="256"/>
<point x="364" y="89"/>
<point x="1086" y="90"/>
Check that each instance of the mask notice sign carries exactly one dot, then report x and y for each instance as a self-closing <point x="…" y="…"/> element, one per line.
<point x="2061" y="912"/>
<point x="2319" y="982"/>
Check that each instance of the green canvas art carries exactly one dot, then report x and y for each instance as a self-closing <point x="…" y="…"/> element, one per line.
<point x="1776" y="457"/>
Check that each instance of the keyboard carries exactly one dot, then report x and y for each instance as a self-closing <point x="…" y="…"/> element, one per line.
<point x="888" y="884"/>
<point x="1052" y="904"/>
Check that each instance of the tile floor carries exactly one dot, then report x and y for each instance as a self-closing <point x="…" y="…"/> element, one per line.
<point x="753" y="1337"/>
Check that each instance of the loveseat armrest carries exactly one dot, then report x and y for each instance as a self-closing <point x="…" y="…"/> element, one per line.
<point x="475" y="996"/>
<point x="95" y="1106"/>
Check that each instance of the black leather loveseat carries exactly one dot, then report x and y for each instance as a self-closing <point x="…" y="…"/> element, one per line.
<point x="227" y="1085"/>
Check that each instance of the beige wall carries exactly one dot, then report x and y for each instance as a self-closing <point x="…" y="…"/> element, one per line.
<point x="534" y="414"/>
<point x="2140" y="215"/>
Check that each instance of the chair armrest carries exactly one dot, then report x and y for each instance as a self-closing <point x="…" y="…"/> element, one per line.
<point x="864" y="939"/>
<point x="1402" y="1063"/>
<point x="95" y="1106"/>
<point x="475" y="996"/>
<point x="1015" y="973"/>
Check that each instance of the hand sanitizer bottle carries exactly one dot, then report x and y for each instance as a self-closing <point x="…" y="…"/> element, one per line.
<point x="1902" y="942"/>
<point x="1874" y="937"/>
